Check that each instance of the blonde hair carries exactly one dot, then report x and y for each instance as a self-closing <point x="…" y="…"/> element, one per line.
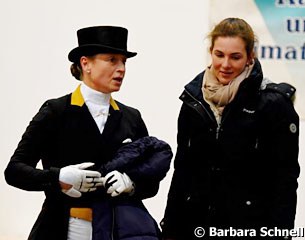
<point x="234" y="27"/>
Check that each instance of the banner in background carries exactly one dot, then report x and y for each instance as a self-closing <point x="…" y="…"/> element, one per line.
<point x="280" y="28"/>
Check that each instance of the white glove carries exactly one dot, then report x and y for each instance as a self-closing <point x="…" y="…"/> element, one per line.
<point x="117" y="183"/>
<point x="80" y="180"/>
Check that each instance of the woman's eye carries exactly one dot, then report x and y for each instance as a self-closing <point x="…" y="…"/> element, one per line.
<point x="236" y="57"/>
<point x="219" y="55"/>
<point x="112" y="59"/>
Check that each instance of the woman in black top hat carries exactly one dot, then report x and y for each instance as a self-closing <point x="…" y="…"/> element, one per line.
<point x="75" y="135"/>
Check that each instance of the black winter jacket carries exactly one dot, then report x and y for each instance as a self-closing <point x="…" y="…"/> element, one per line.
<point x="241" y="173"/>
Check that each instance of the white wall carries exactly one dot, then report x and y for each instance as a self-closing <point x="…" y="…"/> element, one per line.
<point x="36" y="37"/>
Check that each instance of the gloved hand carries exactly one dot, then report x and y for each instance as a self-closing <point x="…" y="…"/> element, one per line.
<point x="80" y="180"/>
<point x="117" y="183"/>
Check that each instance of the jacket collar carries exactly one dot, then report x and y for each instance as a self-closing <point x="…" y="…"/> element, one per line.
<point x="77" y="99"/>
<point x="194" y="87"/>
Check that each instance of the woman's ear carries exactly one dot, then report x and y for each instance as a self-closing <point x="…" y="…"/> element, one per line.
<point x="250" y="59"/>
<point x="84" y="64"/>
<point x="249" y="62"/>
<point x="83" y="61"/>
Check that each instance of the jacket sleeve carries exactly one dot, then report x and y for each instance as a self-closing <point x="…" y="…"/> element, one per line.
<point x="146" y="161"/>
<point x="21" y="171"/>
<point x="284" y="147"/>
<point x="173" y="219"/>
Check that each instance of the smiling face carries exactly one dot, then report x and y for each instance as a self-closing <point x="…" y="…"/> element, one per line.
<point x="229" y="58"/>
<point x="104" y="72"/>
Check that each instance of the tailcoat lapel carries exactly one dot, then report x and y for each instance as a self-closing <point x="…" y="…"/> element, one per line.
<point x="112" y="122"/>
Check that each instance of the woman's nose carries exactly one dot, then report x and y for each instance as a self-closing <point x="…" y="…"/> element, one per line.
<point x="121" y="66"/>
<point x="226" y="63"/>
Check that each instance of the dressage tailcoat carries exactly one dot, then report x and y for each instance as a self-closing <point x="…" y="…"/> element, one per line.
<point x="63" y="133"/>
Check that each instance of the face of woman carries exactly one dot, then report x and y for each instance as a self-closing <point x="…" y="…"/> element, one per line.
<point x="229" y="58"/>
<point x="104" y="72"/>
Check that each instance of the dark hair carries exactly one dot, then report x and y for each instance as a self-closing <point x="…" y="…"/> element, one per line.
<point x="234" y="27"/>
<point x="76" y="71"/>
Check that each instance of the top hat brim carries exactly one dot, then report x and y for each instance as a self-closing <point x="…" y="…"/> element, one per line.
<point x="92" y="49"/>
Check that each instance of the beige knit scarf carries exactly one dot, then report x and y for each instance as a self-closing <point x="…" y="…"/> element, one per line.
<point x="217" y="93"/>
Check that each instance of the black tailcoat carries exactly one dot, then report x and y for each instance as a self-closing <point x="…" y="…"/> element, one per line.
<point x="62" y="133"/>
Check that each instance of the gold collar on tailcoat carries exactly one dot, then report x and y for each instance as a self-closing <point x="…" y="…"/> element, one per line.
<point x="78" y="99"/>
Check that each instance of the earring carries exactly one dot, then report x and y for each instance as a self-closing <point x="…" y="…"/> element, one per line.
<point x="250" y="62"/>
<point x="88" y="71"/>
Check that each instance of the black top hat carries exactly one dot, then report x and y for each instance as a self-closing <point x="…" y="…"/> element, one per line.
<point x="100" y="39"/>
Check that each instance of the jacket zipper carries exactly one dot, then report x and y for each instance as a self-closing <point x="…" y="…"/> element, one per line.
<point x="208" y="113"/>
<point x="217" y="130"/>
<point x="223" y="118"/>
